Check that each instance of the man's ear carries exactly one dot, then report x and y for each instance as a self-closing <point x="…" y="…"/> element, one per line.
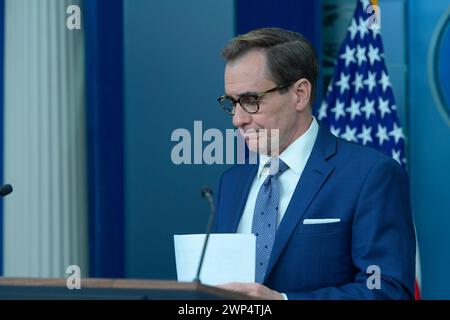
<point x="302" y="90"/>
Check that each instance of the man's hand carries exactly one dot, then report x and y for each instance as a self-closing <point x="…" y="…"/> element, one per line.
<point x="253" y="289"/>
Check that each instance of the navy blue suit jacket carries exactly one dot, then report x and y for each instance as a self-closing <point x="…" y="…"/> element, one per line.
<point x="368" y="192"/>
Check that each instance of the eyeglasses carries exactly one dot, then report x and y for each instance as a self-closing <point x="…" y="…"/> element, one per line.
<point x="248" y="102"/>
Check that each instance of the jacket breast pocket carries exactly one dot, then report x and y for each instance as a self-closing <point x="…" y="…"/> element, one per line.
<point x="322" y="228"/>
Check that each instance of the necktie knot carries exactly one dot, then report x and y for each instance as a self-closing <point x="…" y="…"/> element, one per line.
<point x="277" y="167"/>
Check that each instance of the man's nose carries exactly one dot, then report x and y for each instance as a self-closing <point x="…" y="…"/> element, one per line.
<point x="241" y="117"/>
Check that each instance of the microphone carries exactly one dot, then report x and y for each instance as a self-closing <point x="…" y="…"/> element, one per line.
<point x="206" y="194"/>
<point x="5" y="190"/>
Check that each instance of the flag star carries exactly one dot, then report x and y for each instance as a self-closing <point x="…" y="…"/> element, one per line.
<point x="383" y="106"/>
<point x="376" y="31"/>
<point x="354" y="109"/>
<point x="361" y="54"/>
<point x="365" y="135"/>
<point x="349" y="134"/>
<point x="323" y="110"/>
<point x="396" y="155"/>
<point x="370" y="81"/>
<point x="353" y="29"/>
<point x="348" y="55"/>
<point x="384" y="81"/>
<point x="373" y="54"/>
<point x="362" y="28"/>
<point x="368" y="108"/>
<point x="335" y="131"/>
<point x="343" y="82"/>
<point x="358" y="82"/>
<point x="338" y="110"/>
<point x="397" y="133"/>
<point x="381" y="134"/>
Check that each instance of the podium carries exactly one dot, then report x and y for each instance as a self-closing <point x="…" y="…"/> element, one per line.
<point x="111" y="289"/>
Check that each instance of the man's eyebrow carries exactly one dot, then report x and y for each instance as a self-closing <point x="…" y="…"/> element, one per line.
<point x="247" y="93"/>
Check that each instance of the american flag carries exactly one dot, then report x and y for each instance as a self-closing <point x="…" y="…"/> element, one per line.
<point x="359" y="105"/>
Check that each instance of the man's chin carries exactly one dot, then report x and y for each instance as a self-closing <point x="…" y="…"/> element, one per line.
<point x="252" y="144"/>
<point x="256" y="146"/>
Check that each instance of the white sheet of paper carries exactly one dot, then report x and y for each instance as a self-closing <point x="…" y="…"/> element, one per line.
<point x="228" y="257"/>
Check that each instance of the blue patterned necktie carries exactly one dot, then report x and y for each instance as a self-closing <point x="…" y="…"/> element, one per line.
<point x="265" y="216"/>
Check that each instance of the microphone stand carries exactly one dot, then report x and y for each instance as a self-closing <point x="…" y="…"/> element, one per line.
<point x="207" y="194"/>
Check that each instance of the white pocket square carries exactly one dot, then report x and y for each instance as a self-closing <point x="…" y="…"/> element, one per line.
<point x="320" y="221"/>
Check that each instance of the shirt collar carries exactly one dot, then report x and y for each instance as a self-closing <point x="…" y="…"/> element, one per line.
<point x="297" y="153"/>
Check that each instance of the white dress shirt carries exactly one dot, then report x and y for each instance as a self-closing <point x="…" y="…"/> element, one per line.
<point x="295" y="156"/>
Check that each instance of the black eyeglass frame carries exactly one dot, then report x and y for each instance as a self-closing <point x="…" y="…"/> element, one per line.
<point x="257" y="97"/>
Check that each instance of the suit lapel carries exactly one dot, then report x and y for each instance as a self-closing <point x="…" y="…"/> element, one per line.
<point x="241" y="191"/>
<point x="315" y="173"/>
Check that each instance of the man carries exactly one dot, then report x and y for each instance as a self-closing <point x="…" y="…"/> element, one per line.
<point x="334" y="220"/>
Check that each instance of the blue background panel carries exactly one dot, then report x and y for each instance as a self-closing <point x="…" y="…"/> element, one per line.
<point x="173" y="76"/>
<point x="429" y="142"/>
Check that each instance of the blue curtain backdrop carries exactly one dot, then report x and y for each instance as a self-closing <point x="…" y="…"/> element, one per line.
<point x="103" y="29"/>
<point x="300" y="16"/>
<point x="2" y="35"/>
